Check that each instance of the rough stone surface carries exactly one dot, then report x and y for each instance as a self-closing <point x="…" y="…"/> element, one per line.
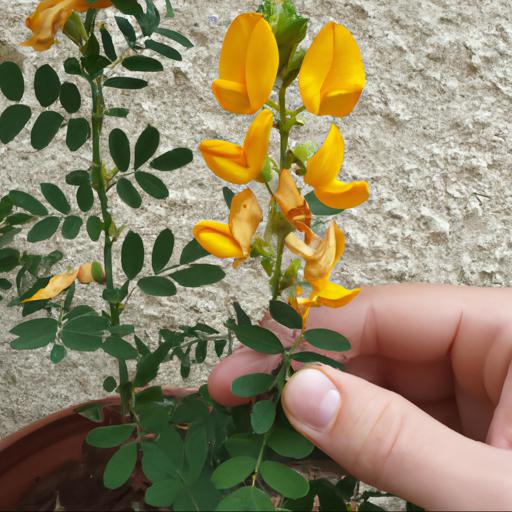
<point x="431" y="134"/>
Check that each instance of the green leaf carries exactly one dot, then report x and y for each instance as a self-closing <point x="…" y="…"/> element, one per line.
<point x="252" y="384"/>
<point x="12" y="121"/>
<point x="146" y="145"/>
<point x="284" y="480"/>
<point x="57" y="354"/>
<point x="162" y="250"/>
<point x="117" y="112"/>
<point x="71" y="227"/>
<point x="152" y="185"/>
<point x="169" y="9"/>
<point x="244" y="444"/>
<point x="130" y="7"/>
<point x="125" y="82"/>
<point x="9" y="259"/>
<point x="34" y="334"/>
<point x="85" y="197"/>
<point x="72" y="66"/>
<point x="43" y="230"/>
<point x="157" y="286"/>
<point x="127" y="30"/>
<point x="108" y="437"/>
<point x="119" y="147"/>
<point x="198" y="275"/>
<point x="78" y="133"/>
<point x="45" y="128"/>
<point x="249" y="499"/>
<point x="70" y="97"/>
<point x="46" y="85"/>
<point x="54" y="195"/>
<point x="120" y="467"/>
<point x="78" y="178"/>
<point x="192" y="252"/>
<point x="94" y="227"/>
<point x="232" y="472"/>
<point x="108" y="45"/>
<point x="262" y="416"/>
<point x="150" y="20"/>
<point x="109" y="384"/>
<point x="318" y="208"/>
<point x="242" y="318"/>
<point x="128" y="193"/>
<point x="289" y="443"/>
<point x="196" y="451"/>
<point x="163" y="493"/>
<point x="285" y="314"/>
<point x="142" y="63"/>
<point x="27" y="202"/>
<point x="84" y="333"/>
<point x="228" y="195"/>
<point x="117" y="347"/>
<point x="313" y="357"/>
<point x="327" y="340"/>
<point x="91" y="411"/>
<point x="175" y="36"/>
<point x="259" y="339"/>
<point x="132" y="254"/>
<point x="163" y="49"/>
<point x="171" y="160"/>
<point x="11" y="81"/>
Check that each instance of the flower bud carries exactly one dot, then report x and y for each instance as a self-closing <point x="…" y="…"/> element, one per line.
<point x="74" y="29"/>
<point x="91" y="272"/>
<point x="266" y="172"/>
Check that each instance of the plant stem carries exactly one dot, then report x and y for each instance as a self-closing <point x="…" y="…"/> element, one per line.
<point x="260" y="458"/>
<point x="283" y="129"/>
<point x="276" y="275"/>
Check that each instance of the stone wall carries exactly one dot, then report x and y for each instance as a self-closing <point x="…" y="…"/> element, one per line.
<point x="431" y="134"/>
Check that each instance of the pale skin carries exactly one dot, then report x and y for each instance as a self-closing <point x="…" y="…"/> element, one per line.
<point x="425" y="410"/>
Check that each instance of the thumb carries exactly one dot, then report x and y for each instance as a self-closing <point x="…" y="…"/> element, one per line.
<point x="386" y="441"/>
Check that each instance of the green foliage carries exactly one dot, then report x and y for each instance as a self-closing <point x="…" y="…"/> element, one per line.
<point x="233" y="471"/>
<point x="128" y="193"/>
<point x="34" y="333"/>
<point x="78" y="133"/>
<point x="327" y="340"/>
<point x="198" y="275"/>
<point x="163" y="49"/>
<point x="54" y="195"/>
<point x="314" y="357"/>
<point x="252" y="384"/>
<point x="262" y="416"/>
<point x="289" y="443"/>
<point x="284" y="480"/>
<point x="285" y="314"/>
<point x="192" y="252"/>
<point x="162" y="250"/>
<point x="120" y="467"/>
<point x="318" y="208"/>
<point x="125" y="82"/>
<point x="45" y="128"/>
<point x="108" y="437"/>
<point x="71" y="227"/>
<point x="84" y="333"/>
<point x="146" y="145"/>
<point x="132" y="254"/>
<point x="259" y="339"/>
<point x="46" y="85"/>
<point x="249" y="499"/>
<point x="172" y="160"/>
<point x="163" y="493"/>
<point x="119" y="146"/>
<point x="70" y="97"/>
<point x="175" y="36"/>
<point x="142" y="63"/>
<point x="44" y="229"/>
<point x="12" y="121"/>
<point x="157" y="286"/>
<point x="12" y="84"/>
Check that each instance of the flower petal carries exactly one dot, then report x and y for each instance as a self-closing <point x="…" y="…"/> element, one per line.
<point x="232" y="96"/>
<point x="299" y="247"/>
<point x="261" y="64"/>
<point x="338" y="194"/>
<point x="56" y="285"/>
<point x="244" y="218"/>
<point x="294" y="207"/>
<point x="334" y="295"/>
<point x="226" y="160"/>
<point x="256" y="141"/>
<point x="216" y="238"/>
<point x="324" y="166"/>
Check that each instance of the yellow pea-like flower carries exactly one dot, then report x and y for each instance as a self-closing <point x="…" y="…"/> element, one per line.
<point x="238" y="164"/>
<point x="294" y="207"/>
<point x="56" y="285"/>
<point x="321" y="172"/>
<point x="51" y="15"/>
<point x="232" y="240"/>
<point x="332" y="76"/>
<point x="248" y="65"/>
<point x="320" y="256"/>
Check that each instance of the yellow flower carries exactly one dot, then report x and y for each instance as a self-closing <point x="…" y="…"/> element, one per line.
<point x="294" y="207"/>
<point x="55" y="286"/>
<point x="51" y="15"/>
<point x="232" y="240"/>
<point x="322" y="170"/>
<point x="332" y="77"/>
<point x="240" y="164"/>
<point x="321" y="256"/>
<point x="248" y="65"/>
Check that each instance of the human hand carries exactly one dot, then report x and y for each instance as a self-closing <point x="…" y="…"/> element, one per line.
<point x="436" y="381"/>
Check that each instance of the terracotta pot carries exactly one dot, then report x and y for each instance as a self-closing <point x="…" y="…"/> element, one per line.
<point x="37" y="450"/>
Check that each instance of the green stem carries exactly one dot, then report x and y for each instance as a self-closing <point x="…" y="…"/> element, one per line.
<point x="260" y="458"/>
<point x="283" y="129"/>
<point x="276" y="275"/>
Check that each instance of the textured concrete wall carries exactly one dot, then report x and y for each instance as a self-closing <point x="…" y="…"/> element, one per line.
<point x="431" y="134"/>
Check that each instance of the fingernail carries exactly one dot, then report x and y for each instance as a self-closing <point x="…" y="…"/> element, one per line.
<point x="311" y="398"/>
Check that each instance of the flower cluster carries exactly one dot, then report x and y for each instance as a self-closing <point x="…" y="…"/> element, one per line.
<point x="331" y="78"/>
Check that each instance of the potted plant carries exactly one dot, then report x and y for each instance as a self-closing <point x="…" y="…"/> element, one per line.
<point x="147" y="446"/>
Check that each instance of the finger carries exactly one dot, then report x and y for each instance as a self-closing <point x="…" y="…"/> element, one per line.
<point x="500" y="429"/>
<point x="386" y="441"/>
<point x="242" y="362"/>
<point x="416" y="322"/>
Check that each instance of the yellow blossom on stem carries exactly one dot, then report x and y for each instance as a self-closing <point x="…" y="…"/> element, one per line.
<point x="51" y="15"/>
<point x="248" y="65"/>
<point x="332" y="76"/>
<point x="240" y="164"/>
<point x="321" y="256"/>
<point x="321" y="172"/>
<point x="56" y="285"/>
<point x="294" y="207"/>
<point x="232" y="240"/>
